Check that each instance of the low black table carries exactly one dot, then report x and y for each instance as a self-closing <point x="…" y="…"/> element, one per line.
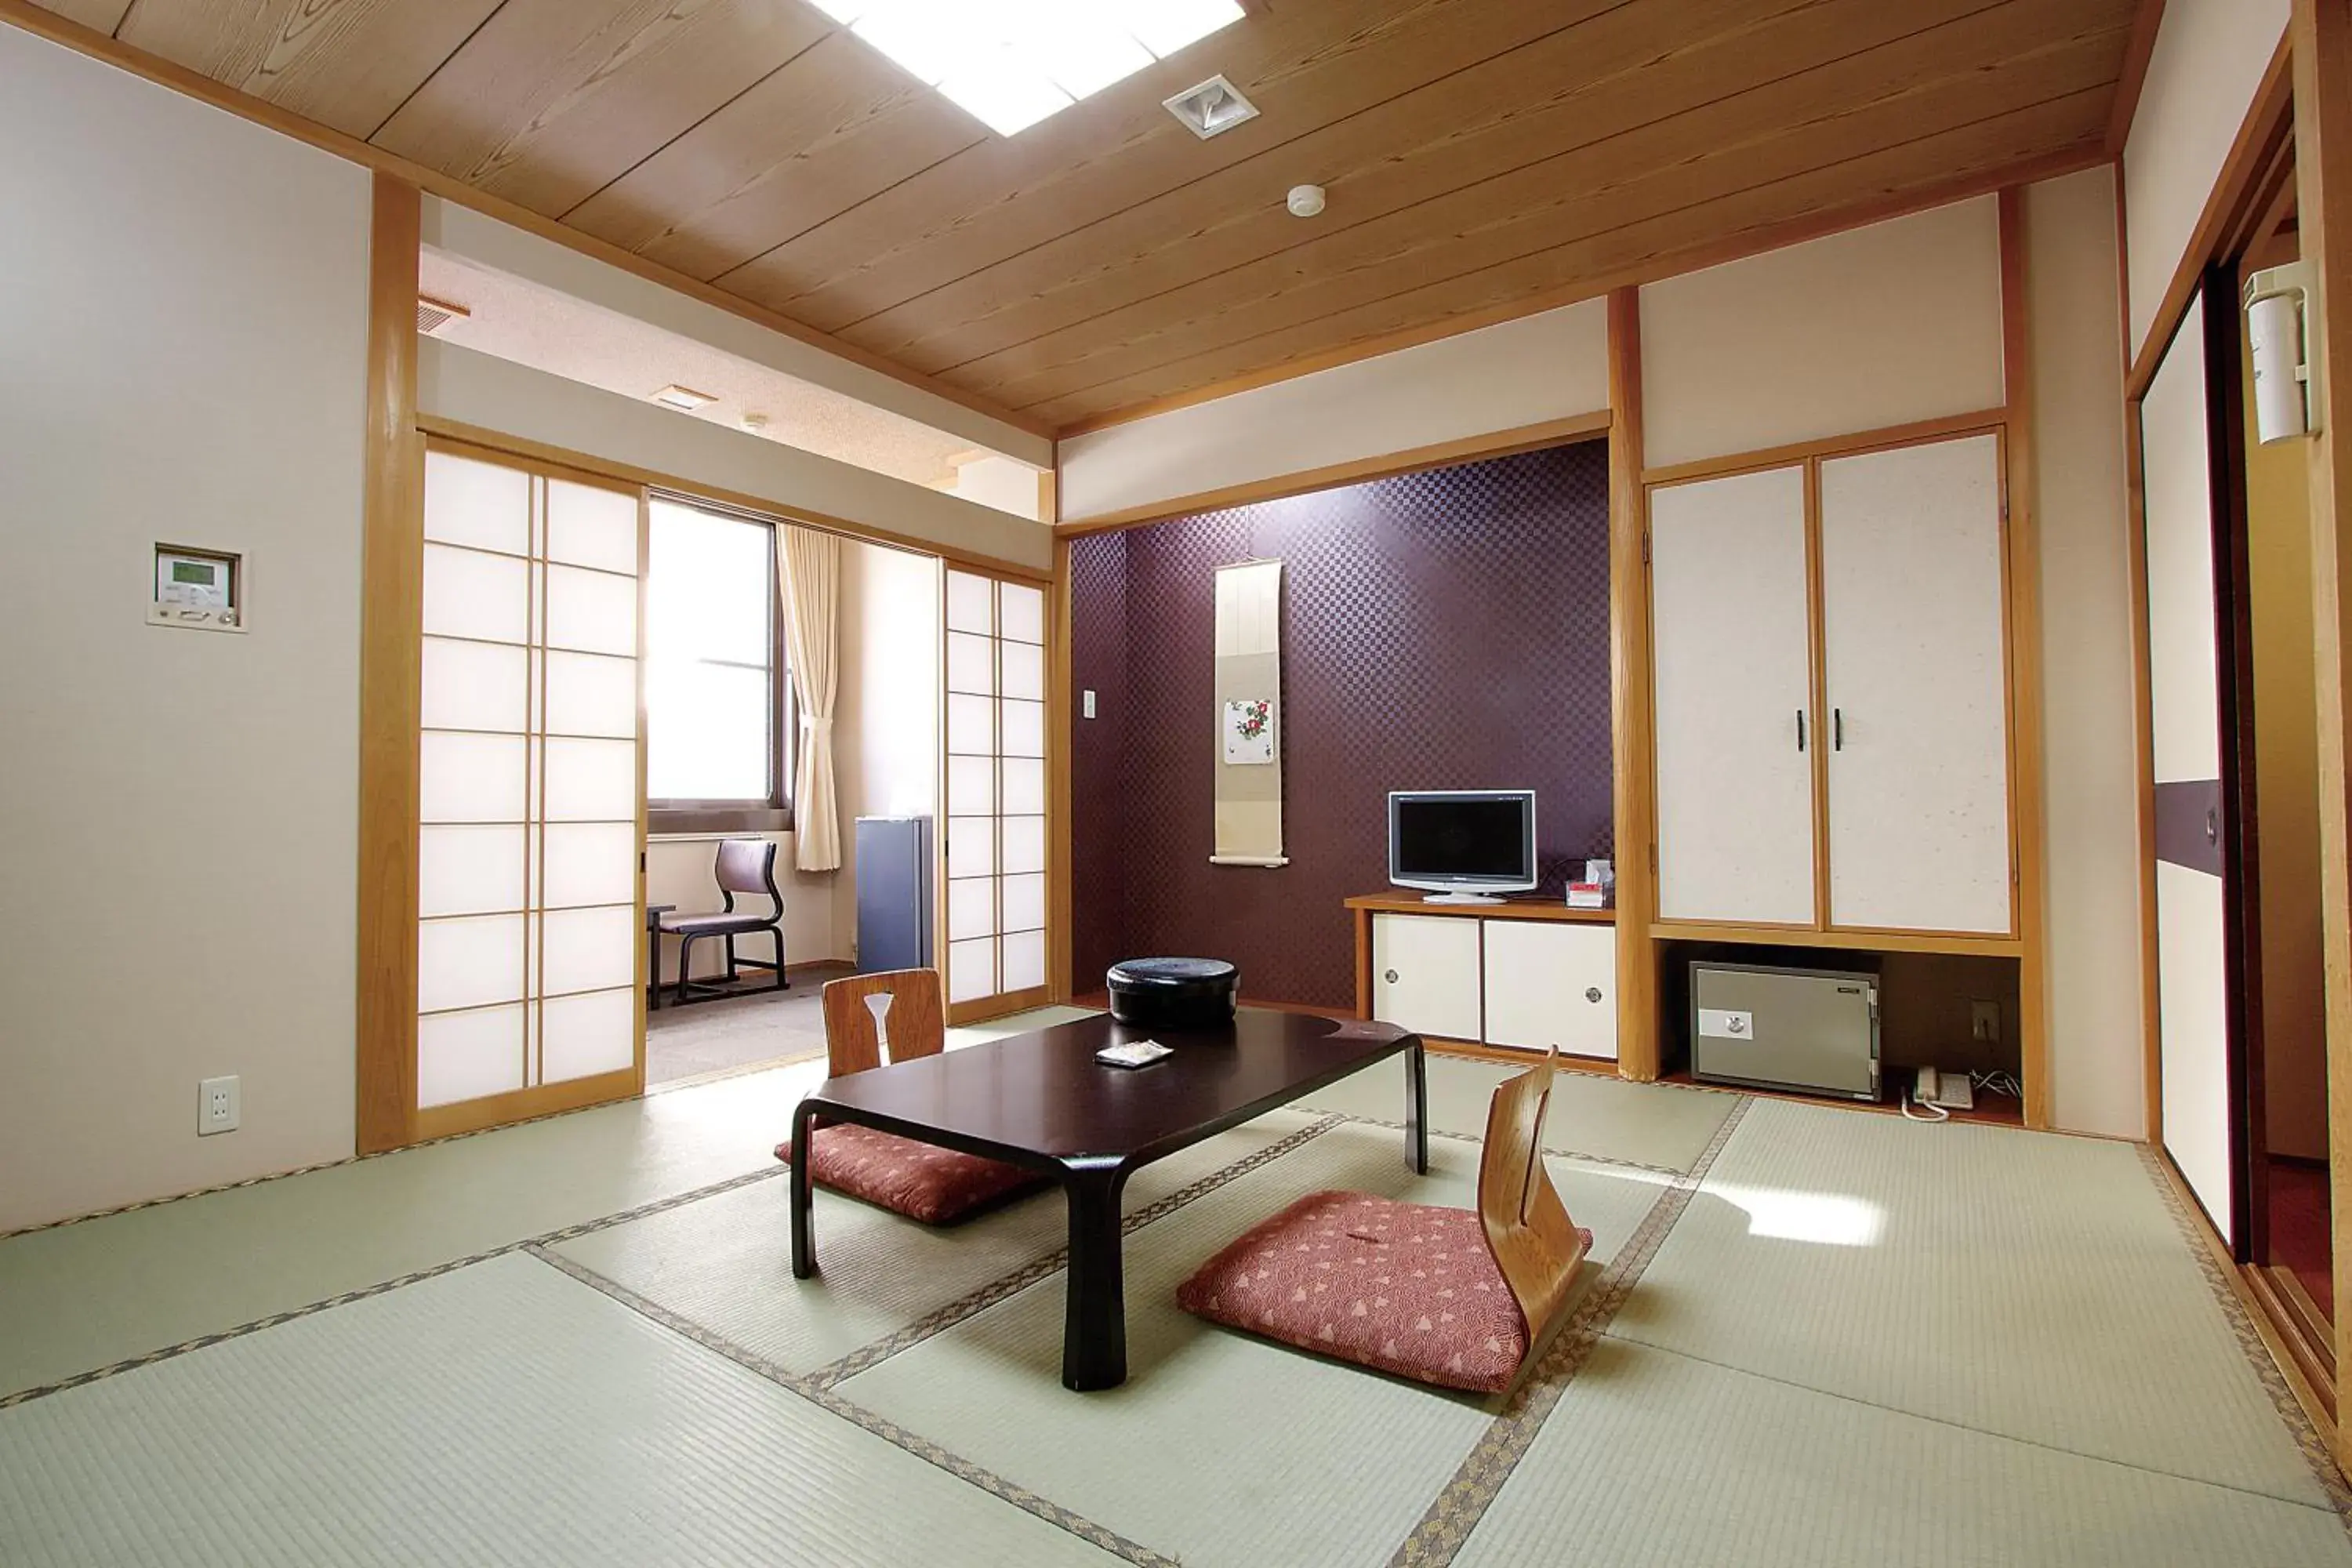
<point x="1041" y="1100"/>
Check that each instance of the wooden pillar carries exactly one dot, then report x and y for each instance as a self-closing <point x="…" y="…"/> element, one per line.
<point x="2322" y="40"/>
<point x="392" y="602"/>
<point x="1639" y="1048"/>
<point x="2022" y="535"/>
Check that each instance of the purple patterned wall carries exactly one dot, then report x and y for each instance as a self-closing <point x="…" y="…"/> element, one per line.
<point x="1442" y="630"/>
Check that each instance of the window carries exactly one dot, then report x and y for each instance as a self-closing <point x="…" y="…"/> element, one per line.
<point x="717" y="744"/>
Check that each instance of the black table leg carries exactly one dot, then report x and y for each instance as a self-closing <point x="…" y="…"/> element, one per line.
<point x="1094" y="1328"/>
<point x="804" y="1244"/>
<point x="1416" y="1108"/>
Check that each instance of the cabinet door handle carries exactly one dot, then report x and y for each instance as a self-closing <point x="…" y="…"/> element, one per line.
<point x="1837" y="729"/>
<point x="1800" y="728"/>
<point x="1389" y="977"/>
<point x="1592" y="994"/>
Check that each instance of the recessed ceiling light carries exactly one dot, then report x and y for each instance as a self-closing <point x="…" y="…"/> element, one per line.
<point x="1012" y="63"/>
<point x="1214" y="106"/>
<point x="685" y="399"/>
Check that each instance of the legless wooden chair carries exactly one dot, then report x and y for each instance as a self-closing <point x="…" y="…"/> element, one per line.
<point x="1446" y="1296"/>
<point x="871" y="1020"/>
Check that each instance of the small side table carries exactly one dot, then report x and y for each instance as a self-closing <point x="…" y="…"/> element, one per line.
<point x="653" y="913"/>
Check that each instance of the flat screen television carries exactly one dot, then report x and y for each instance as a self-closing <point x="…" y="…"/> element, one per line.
<point x="1463" y="845"/>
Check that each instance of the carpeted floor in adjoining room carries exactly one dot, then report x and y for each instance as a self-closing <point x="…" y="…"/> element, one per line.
<point x="1808" y="1337"/>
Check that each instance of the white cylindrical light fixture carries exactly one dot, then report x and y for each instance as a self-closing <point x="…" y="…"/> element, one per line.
<point x="1306" y="201"/>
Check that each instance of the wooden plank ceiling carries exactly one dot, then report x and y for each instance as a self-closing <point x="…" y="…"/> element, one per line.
<point x="1479" y="154"/>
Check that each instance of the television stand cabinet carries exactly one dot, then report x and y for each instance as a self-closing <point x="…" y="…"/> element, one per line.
<point x="1525" y="973"/>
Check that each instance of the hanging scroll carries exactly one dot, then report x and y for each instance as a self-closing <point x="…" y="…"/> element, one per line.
<point x="1249" y="715"/>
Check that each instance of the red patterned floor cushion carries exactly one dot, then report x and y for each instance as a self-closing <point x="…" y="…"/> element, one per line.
<point x="1404" y="1288"/>
<point x="922" y="1180"/>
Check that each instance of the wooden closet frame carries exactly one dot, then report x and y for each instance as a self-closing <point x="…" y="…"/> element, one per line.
<point x="1640" y="931"/>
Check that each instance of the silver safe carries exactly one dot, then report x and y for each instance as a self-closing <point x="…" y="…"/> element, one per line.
<point x="1769" y="1027"/>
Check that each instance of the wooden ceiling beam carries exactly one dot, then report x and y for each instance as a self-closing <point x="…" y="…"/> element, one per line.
<point x="346" y="65"/>
<point x="1304" y="65"/>
<point x="1970" y="161"/>
<point x="807" y="143"/>
<point x="1619" y="105"/>
<point x="1543" y="207"/>
<point x="552" y="100"/>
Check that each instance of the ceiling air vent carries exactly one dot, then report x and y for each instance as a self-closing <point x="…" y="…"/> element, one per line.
<point x="1214" y="106"/>
<point x="432" y="315"/>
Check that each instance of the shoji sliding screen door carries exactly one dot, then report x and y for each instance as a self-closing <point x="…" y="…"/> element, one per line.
<point x="994" y="846"/>
<point x="529" y="904"/>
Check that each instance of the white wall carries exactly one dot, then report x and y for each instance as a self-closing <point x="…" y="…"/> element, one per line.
<point x="515" y="400"/>
<point x="182" y="298"/>
<point x="887" y="725"/>
<point x="1874" y="327"/>
<point x="1543" y="367"/>
<point x="2201" y="78"/>
<point x="2091" y="783"/>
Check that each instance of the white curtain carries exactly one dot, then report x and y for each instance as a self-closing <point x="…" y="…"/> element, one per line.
<point x="810" y="565"/>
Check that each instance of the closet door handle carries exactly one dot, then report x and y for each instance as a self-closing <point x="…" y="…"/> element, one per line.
<point x="1800" y="728"/>
<point x="1837" y="729"/>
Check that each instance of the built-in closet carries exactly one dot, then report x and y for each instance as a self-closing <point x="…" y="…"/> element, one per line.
<point x="1832" y="694"/>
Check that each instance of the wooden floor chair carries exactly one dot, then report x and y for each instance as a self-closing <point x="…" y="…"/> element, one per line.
<point x="897" y="1017"/>
<point x="1457" y="1298"/>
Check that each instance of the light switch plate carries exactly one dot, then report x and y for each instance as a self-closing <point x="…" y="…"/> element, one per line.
<point x="1086" y="700"/>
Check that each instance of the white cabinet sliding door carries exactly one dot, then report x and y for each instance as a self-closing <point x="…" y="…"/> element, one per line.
<point x="1915" y="683"/>
<point x="1730" y="606"/>
<point x="2185" y="708"/>
<point x="530" y="920"/>
<point x="995" y="840"/>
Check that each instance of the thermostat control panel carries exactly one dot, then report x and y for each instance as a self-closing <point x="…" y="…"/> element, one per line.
<point x="203" y="590"/>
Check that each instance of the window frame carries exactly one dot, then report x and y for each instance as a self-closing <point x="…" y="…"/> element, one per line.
<point x="773" y="815"/>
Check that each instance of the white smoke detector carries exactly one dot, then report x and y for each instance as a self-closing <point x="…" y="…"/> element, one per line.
<point x="1306" y="201"/>
<point x="1212" y="107"/>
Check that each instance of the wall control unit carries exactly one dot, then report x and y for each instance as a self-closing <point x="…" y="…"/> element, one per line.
<point x="201" y="589"/>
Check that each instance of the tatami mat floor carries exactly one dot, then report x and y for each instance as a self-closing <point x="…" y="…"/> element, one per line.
<point x="1807" y="1337"/>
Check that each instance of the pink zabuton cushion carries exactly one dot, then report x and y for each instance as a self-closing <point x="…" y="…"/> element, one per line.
<point x="922" y="1180"/>
<point x="1402" y="1287"/>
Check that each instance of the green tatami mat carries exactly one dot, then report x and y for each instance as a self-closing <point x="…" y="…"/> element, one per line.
<point x="725" y="1261"/>
<point x="502" y="1415"/>
<point x="1652" y="1460"/>
<point x="88" y="1295"/>
<point x="1662" y="1125"/>
<point x="2015" y="1282"/>
<point x="1222" y="1449"/>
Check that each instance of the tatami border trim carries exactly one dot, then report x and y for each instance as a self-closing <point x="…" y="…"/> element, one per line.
<point x="2250" y="1340"/>
<point x="1479" y="1480"/>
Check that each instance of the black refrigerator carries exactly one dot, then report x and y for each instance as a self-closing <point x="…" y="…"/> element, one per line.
<point x="894" y="893"/>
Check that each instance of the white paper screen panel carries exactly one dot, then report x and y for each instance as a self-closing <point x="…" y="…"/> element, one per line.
<point x="996" y="661"/>
<point x="2184" y="704"/>
<point x="2184" y="661"/>
<point x="1916" y="681"/>
<point x="532" y="924"/>
<point x="1733" y="655"/>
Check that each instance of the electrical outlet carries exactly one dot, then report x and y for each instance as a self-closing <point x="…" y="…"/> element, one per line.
<point x="218" y="1102"/>
<point x="1984" y="1021"/>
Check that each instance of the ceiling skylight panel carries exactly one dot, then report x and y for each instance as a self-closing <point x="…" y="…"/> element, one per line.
<point x="1010" y="63"/>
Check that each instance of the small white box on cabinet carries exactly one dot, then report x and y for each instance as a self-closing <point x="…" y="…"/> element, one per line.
<point x="1551" y="982"/>
<point x="1425" y="975"/>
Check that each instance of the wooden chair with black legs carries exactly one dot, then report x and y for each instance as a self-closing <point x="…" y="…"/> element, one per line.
<point x="746" y="868"/>
<point x="870" y="1022"/>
